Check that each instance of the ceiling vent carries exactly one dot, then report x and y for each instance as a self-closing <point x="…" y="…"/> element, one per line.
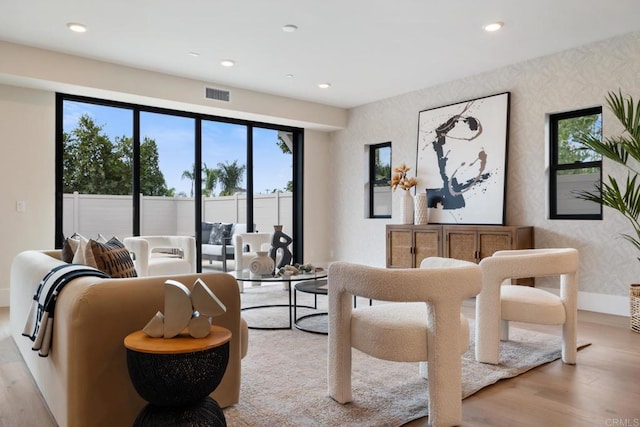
<point x="217" y="94"/>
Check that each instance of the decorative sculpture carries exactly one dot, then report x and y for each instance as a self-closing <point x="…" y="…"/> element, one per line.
<point x="184" y="308"/>
<point x="279" y="244"/>
<point x="261" y="264"/>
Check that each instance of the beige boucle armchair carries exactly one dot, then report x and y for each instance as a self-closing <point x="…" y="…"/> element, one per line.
<point x="162" y="255"/>
<point x="422" y="324"/>
<point x="501" y="302"/>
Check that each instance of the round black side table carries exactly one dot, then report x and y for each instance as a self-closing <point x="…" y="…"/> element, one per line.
<point x="247" y="276"/>
<point x="315" y="287"/>
<point x="176" y="376"/>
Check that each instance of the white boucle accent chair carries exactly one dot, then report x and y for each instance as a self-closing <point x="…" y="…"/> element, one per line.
<point x="149" y="262"/>
<point x="422" y="323"/>
<point x="245" y="247"/>
<point x="500" y="302"/>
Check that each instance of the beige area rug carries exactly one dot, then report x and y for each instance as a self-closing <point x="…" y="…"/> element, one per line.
<point x="284" y="375"/>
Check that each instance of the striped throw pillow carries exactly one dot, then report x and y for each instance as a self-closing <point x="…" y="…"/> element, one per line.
<point x="111" y="257"/>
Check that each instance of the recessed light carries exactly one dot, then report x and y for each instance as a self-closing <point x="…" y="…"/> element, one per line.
<point x="76" y="27"/>
<point x="289" y="28"/>
<point x="289" y="76"/>
<point x="194" y="54"/>
<point x="494" y="26"/>
<point x="324" y="85"/>
<point x="227" y="62"/>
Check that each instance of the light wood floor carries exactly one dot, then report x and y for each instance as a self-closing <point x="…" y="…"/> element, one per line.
<point x="603" y="389"/>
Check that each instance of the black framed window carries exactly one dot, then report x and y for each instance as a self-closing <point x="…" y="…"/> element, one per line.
<point x="573" y="168"/>
<point x="379" y="177"/>
<point x="125" y="169"/>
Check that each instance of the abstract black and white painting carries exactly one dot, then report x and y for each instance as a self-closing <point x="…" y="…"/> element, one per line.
<point x="462" y="160"/>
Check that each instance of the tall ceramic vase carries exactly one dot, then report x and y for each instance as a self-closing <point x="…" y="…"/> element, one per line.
<point x="421" y="212"/>
<point x="406" y="207"/>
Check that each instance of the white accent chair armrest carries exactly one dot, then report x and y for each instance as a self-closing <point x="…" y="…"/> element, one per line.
<point x="149" y="262"/>
<point x="501" y="302"/>
<point x="422" y="323"/>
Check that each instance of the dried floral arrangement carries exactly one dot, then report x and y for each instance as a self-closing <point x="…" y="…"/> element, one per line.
<point x="399" y="178"/>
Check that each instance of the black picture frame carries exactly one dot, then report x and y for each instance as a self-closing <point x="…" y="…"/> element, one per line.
<point x="461" y="160"/>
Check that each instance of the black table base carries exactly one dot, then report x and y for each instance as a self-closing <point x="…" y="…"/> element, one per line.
<point x="204" y="413"/>
<point x="177" y="386"/>
<point x="315" y="287"/>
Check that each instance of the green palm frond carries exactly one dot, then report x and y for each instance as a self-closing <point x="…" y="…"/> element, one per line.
<point x="633" y="240"/>
<point x="632" y="198"/>
<point x="609" y="148"/>
<point x="627" y="113"/>
<point x="623" y="198"/>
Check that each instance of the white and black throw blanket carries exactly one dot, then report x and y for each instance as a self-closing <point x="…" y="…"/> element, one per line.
<point x="39" y="326"/>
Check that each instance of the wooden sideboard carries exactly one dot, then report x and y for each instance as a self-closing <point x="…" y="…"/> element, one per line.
<point x="408" y="245"/>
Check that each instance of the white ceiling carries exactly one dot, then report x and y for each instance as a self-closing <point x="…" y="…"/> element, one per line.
<point x="367" y="49"/>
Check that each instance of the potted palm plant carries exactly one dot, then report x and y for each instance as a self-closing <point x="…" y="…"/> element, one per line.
<point x="624" y="197"/>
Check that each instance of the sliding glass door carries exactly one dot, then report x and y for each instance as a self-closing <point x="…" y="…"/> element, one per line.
<point x="127" y="170"/>
<point x="272" y="179"/>
<point x="224" y="172"/>
<point x="97" y="170"/>
<point x="167" y="152"/>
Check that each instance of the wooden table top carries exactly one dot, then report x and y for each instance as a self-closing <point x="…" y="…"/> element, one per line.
<point x="183" y="343"/>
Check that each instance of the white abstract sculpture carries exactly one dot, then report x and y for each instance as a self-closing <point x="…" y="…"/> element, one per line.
<point x="184" y="308"/>
<point x="177" y="308"/>
<point x="155" y="327"/>
<point x="205" y="301"/>
<point x="199" y="326"/>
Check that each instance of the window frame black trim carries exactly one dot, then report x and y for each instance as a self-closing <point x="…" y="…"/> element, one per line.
<point x="372" y="175"/>
<point x="555" y="167"/>
<point x="297" y="175"/>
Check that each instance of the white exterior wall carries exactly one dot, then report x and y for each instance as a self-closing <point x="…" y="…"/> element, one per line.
<point x="111" y="215"/>
<point x="570" y="185"/>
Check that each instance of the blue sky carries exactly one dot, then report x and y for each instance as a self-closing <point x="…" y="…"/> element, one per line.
<point x="222" y="142"/>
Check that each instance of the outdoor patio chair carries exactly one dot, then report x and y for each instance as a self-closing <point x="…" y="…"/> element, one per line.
<point x="160" y="255"/>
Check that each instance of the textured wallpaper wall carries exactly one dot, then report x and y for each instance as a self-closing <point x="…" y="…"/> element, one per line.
<point x="569" y="80"/>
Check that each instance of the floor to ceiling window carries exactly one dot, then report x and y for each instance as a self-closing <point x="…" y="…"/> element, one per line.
<point x="272" y="179"/>
<point x="97" y="169"/>
<point x="224" y="172"/>
<point x="127" y="170"/>
<point x="167" y="153"/>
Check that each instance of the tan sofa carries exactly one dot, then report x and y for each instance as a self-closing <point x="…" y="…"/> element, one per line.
<point x="84" y="380"/>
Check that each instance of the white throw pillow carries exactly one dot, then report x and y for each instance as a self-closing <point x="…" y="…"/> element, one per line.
<point x="79" y="256"/>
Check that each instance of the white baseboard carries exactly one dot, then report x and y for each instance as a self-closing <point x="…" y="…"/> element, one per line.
<point x="4" y="297"/>
<point x="600" y="303"/>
